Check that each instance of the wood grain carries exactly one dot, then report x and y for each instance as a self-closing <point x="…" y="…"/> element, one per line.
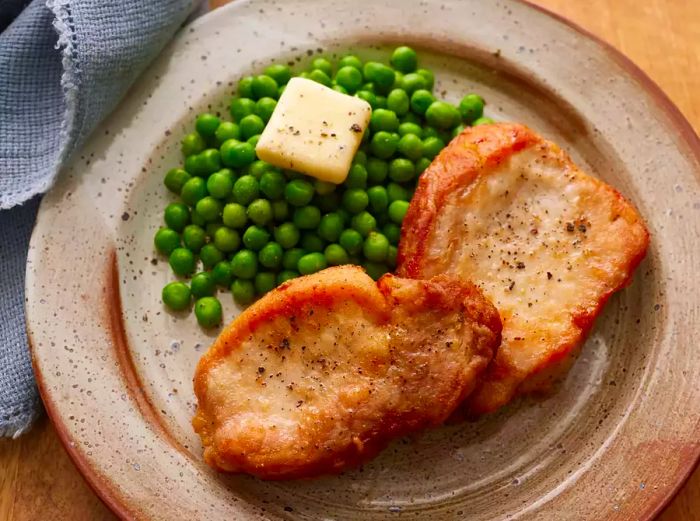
<point x="38" y="480"/>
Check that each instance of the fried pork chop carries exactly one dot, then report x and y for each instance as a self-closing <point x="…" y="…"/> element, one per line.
<point x="547" y="243"/>
<point x="321" y="373"/>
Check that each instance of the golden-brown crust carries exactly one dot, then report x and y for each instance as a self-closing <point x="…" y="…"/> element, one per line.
<point x="404" y="354"/>
<point x="470" y="160"/>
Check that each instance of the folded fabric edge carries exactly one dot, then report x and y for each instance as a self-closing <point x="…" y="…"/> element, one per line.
<point x="20" y="422"/>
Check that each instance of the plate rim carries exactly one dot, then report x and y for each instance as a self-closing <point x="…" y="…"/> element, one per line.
<point x="666" y="106"/>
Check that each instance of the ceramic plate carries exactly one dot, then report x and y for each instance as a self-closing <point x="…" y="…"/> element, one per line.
<point x="616" y="439"/>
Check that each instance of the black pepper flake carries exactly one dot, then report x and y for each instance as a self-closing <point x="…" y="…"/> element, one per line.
<point x="125" y="216"/>
<point x="520" y="265"/>
<point x="582" y="228"/>
<point x="570" y="227"/>
<point x="356" y="128"/>
<point x="512" y="285"/>
<point x="549" y="276"/>
<point x="261" y="370"/>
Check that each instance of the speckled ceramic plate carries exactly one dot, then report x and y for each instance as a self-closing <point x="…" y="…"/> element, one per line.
<point x="613" y="443"/>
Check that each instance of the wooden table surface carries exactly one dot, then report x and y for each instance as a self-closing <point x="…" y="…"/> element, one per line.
<point x="39" y="482"/>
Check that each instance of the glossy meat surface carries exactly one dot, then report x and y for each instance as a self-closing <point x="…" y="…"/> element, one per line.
<point x="547" y="243"/>
<point x="321" y="373"/>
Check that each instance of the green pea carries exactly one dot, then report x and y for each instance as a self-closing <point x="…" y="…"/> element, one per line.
<point x="312" y="242"/>
<point x="430" y="132"/>
<point x="272" y="184"/>
<point x="227" y="130"/>
<point x="234" y="215"/>
<point x="381" y="102"/>
<point x="321" y="77"/>
<point x="378" y="199"/>
<point x="210" y="255"/>
<point x="291" y="257"/>
<point x="209" y="208"/>
<point x="176" y="296"/>
<point x="222" y="274"/>
<point x="411" y="146"/>
<point x="280" y="73"/>
<point x="396" y="192"/>
<point x="202" y="285"/>
<point x="243" y="291"/>
<point x="264" y="108"/>
<point x="379" y="74"/>
<point x="194" y="166"/>
<point x="375" y="269"/>
<point x="339" y="88"/>
<point x="457" y="131"/>
<point x="471" y="107"/>
<point x="368" y="96"/>
<point x="404" y="59"/>
<point x="398" y="102"/>
<point x="311" y="263"/>
<point x="351" y="241"/>
<point x="285" y="275"/>
<point x="197" y="219"/>
<point x="335" y="255"/>
<point x="175" y="179"/>
<point x="442" y="115"/>
<point x="421" y="99"/>
<point x="357" y="177"/>
<point x="392" y="232"/>
<point x="265" y="281"/>
<point x="322" y="64"/>
<point x="383" y="119"/>
<point x="245" y="190"/>
<point x="192" y="144"/>
<point x="245" y="87"/>
<point x="350" y="78"/>
<point x="384" y="144"/>
<point x="260" y="212"/>
<point x="207" y="124"/>
<point x="208" y="312"/>
<point x="391" y="255"/>
<point x="194" y="237"/>
<point x="210" y="161"/>
<point x="324" y="187"/>
<point x="255" y="237"/>
<point x="280" y="211"/>
<point x="401" y="170"/>
<point x="244" y="264"/>
<point x="377" y="170"/>
<point x="271" y="255"/>
<point x="363" y="223"/>
<point x="355" y="200"/>
<point x="176" y="216"/>
<point x="298" y="192"/>
<point x="360" y="158"/>
<point x="259" y="167"/>
<point x="241" y="107"/>
<point x="397" y="211"/>
<point x="376" y="247"/>
<point x="350" y="60"/>
<point x="287" y="235"/>
<point x="166" y="240"/>
<point x="412" y="118"/>
<point x="330" y="226"/>
<point x="182" y="261"/>
<point x="422" y="164"/>
<point x="220" y="184"/>
<point x="226" y="239"/>
<point x="328" y="202"/>
<point x="239" y="154"/>
<point x="251" y="125"/>
<point x="482" y="121"/>
<point x="264" y="87"/>
<point x="307" y="217"/>
<point x="428" y="77"/>
<point x="413" y="82"/>
<point x="432" y="147"/>
<point x="344" y="214"/>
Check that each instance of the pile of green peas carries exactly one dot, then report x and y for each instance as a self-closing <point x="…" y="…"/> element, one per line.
<point x="254" y="226"/>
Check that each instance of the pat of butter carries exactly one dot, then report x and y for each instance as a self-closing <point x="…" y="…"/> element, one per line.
<point x="314" y="130"/>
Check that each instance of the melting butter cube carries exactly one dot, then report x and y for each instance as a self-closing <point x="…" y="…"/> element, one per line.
<point x="314" y="130"/>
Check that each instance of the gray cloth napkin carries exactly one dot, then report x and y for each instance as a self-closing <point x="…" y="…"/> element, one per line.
<point x="64" y="65"/>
